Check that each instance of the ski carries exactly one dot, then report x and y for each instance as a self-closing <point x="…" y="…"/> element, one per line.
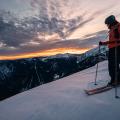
<point x="98" y="90"/>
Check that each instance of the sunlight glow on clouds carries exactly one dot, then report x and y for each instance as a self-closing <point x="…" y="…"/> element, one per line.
<point x="45" y="53"/>
<point x="53" y="26"/>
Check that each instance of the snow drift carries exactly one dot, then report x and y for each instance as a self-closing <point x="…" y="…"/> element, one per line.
<point x="64" y="99"/>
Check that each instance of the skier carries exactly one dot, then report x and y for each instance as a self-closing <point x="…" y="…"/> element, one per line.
<point x="114" y="48"/>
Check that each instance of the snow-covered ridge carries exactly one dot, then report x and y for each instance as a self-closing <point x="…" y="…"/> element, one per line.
<point x="64" y="100"/>
<point x="20" y="75"/>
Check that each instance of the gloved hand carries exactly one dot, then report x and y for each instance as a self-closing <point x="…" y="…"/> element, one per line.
<point x="100" y="43"/>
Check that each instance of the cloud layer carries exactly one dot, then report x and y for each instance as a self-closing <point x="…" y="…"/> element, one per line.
<point x="52" y="27"/>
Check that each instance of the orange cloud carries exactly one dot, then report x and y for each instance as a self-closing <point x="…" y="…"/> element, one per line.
<point x="46" y="53"/>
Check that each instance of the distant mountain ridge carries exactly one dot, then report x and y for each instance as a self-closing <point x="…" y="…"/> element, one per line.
<point x="19" y="75"/>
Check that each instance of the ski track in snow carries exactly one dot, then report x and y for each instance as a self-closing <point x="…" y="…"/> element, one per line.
<point x="64" y="99"/>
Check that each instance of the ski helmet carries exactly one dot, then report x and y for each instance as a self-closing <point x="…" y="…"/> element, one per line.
<point x="110" y="20"/>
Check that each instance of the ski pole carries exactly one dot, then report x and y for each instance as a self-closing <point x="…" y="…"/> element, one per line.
<point x="98" y="61"/>
<point x="96" y="73"/>
<point x="116" y="73"/>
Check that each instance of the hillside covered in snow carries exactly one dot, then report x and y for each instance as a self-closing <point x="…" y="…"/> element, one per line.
<point x="64" y="99"/>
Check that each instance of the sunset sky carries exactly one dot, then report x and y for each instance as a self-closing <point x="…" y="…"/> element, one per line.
<point x="30" y="28"/>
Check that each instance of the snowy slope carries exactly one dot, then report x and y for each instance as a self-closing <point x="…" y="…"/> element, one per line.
<point x="64" y="100"/>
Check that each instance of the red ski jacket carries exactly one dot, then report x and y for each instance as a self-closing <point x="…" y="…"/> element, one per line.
<point x="113" y="41"/>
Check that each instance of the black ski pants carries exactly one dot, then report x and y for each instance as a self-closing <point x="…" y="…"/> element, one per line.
<point x="111" y="64"/>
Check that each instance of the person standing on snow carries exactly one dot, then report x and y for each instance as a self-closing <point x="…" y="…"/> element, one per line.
<point x="114" y="48"/>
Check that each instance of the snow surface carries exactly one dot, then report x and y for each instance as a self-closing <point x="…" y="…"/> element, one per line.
<point x="64" y="99"/>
